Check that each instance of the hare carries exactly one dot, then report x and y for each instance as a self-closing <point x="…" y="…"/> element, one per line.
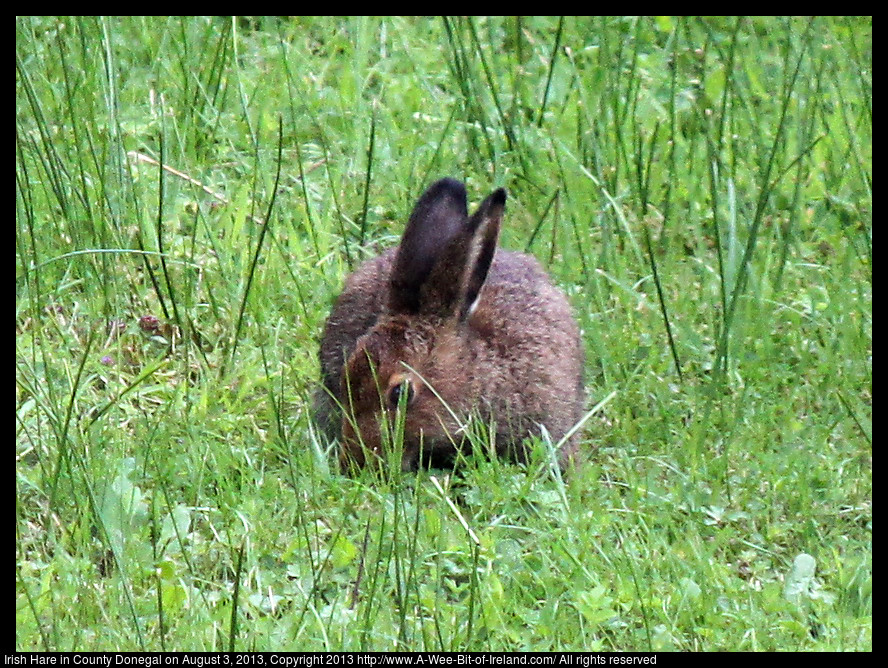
<point x="445" y="327"/>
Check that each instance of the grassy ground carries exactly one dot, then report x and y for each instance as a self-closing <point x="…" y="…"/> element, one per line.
<point x="702" y="190"/>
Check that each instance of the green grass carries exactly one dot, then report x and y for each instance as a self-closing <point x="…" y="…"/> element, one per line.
<point x="702" y="190"/>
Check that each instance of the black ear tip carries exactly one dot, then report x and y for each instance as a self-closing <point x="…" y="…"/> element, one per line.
<point x="447" y="186"/>
<point x="498" y="196"/>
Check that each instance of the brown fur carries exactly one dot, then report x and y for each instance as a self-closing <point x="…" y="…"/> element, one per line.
<point x="406" y="316"/>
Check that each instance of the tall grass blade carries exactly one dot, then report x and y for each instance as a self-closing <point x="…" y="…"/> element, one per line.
<point x="263" y="231"/>
<point x="552" y="57"/>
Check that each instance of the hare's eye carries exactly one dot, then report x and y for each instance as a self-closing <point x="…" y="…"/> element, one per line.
<point x="402" y="391"/>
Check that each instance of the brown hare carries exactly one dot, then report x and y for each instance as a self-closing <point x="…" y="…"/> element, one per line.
<point x="445" y="327"/>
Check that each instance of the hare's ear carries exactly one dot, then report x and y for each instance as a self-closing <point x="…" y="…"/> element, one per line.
<point x="453" y="286"/>
<point x="437" y="221"/>
<point x="484" y="227"/>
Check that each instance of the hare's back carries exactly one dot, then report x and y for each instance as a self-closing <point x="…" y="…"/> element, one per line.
<point x="519" y="296"/>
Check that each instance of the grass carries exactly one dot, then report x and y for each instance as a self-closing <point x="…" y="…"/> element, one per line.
<point x="190" y="193"/>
